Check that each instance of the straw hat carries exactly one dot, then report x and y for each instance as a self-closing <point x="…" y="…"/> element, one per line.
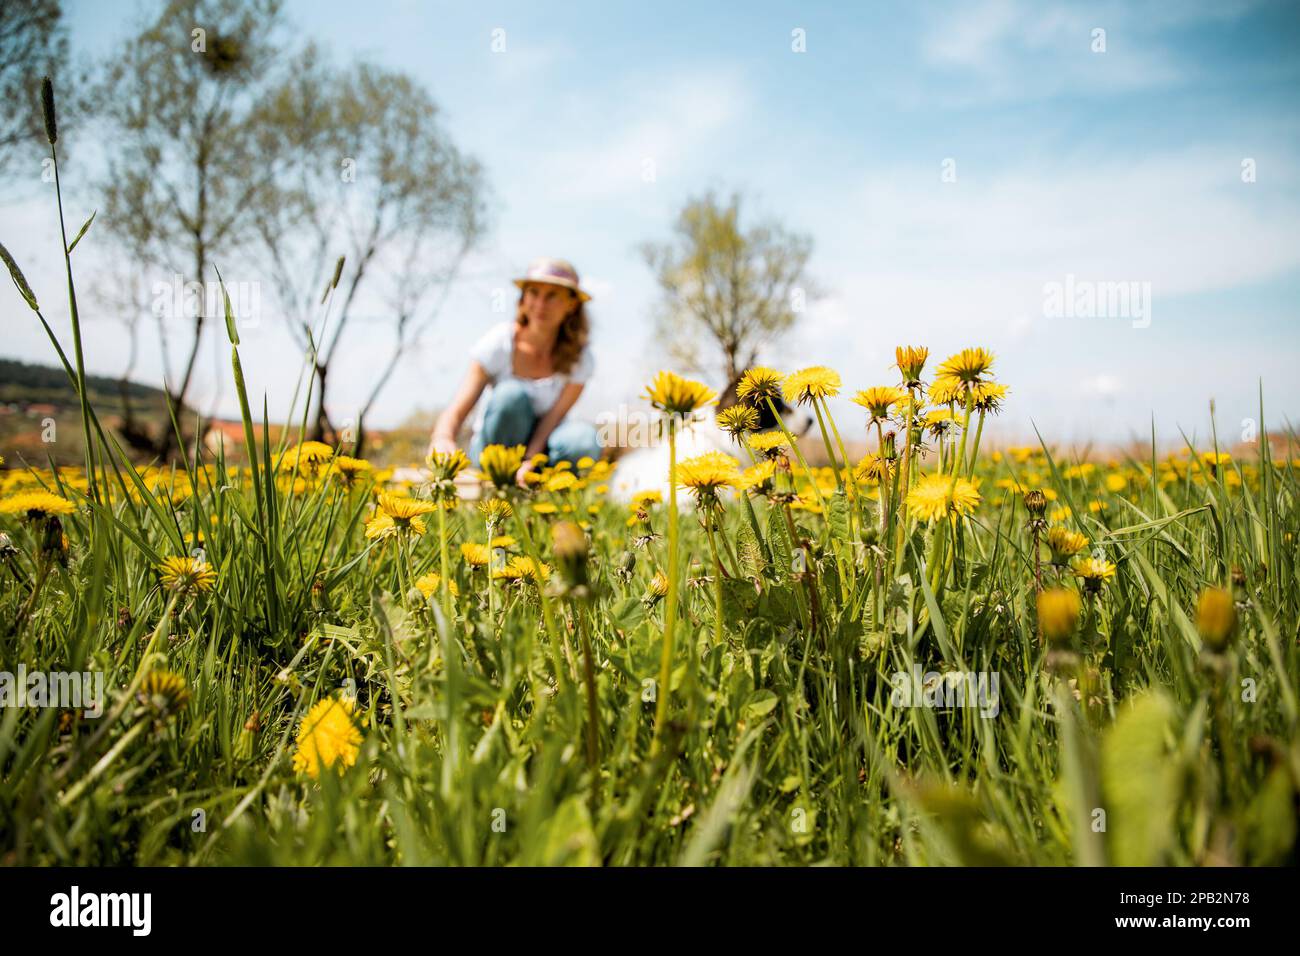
<point x="554" y="272"/>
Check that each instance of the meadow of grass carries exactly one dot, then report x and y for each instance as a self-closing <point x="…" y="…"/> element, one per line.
<point x="309" y="662"/>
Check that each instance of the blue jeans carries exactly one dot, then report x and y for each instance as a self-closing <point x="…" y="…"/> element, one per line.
<point x="509" y="419"/>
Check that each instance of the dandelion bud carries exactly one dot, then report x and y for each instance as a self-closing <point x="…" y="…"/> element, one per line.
<point x="911" y="360"/>
<point x="656" y="589"/>
<point x="1216" y="618"/>
<point x="1058" y="614"/>
<point x="47" y="108"/>
<point x="1035" y="503"/>
<point x="570" y="546"/>
<point x="164" y="694"/>
<point x="569" y="541"/>
<point x="52" y="540"/>
<point x="626" y="565"/>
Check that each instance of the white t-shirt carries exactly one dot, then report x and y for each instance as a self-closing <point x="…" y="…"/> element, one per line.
<point x="495" y="352"/>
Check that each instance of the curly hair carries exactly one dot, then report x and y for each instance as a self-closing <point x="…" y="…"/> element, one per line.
<point x="571" y="339"/>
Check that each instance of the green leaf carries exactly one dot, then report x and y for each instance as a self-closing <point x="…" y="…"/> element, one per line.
<point x="82" y="231"/>
<point x="1270" y="820"/>
<point x="738" y="599"/>
<point x="750" y="552"/>
<point x="778" y="539"/>
<point x="231" y="332"/>
<point x="760" y="704"/>
<point x="837" y="515"/>
<point x="1139" y="782"/>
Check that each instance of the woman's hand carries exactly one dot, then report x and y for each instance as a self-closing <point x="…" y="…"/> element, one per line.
<point x="440" y="445"/>
<point x="521" y="476"/>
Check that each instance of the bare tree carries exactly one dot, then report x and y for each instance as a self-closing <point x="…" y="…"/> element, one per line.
<point x="190" y="151"/>
<point x="376" y="177"/>
<point x="736" y="289"/>
<point x="32" y="44"/>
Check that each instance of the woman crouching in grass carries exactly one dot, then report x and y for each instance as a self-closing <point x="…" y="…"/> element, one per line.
<point x="535" y="368"/>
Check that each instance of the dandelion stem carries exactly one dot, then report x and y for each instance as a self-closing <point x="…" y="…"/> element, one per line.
<point x="589" y="678"/>
<point x="548" y="613"/>
<point x="960" y="458"/>
<point x="794" y="447"/>
<point x="826" y="441"/>
<point x="975" y="450"/>
<point x="670" y="611"/>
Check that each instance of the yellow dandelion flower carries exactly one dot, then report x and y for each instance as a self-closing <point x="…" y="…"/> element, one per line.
<point x="499" y="464"/>
<point x="988" y="396"/>
<point x="937" y="496"/>
<point x="1091" y="572"/>
<point x="1216" y="617"/>
<point x="945" y="390"/>
<point x="447" y="464"/>
<point x="705" y="474"/>
<point x="429" y="584"/>
<point x="675" y="395"/>
<point x="561" y="482"/>
<point x="812" y="383"/>
<point x="381" y="526"/>
<point x="738" y="419"/>
<point x="939" y="421"/>
<point x="545" y="508"/>
<point x="758" y="385"/>
<point x="502" y="541"/>
<point x="1058" y="614"/>
<point x="475" y="555"/>
<point x="521" y="567"/>
<point x="328" y="735"/>
<point x="873" y="469"/>
<point x="757" y="478"/>
<point x="968" y="365"/>
<point x="495" y="510"/>
<point x="309" y="458"/>
<point x="186" y="574"/>
<point x="767" y="444"/>
<point x="397" y="514"/>
<point x="351" y="470"/>
<point x="1064" y="544"/>
<point x="34" y="505"/>
<point x="878" y="398"/>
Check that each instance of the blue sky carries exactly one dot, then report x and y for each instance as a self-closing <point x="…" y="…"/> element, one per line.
<point x="1123" y="165"/>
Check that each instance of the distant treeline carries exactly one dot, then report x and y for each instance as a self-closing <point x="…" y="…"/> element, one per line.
<point x="21" y="382"/>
